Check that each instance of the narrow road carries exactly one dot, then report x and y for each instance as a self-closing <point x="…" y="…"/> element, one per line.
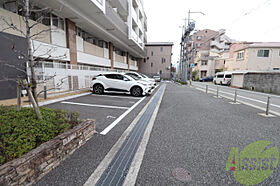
<point x="195" y="131"/>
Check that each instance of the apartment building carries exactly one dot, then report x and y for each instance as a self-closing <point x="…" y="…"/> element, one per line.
<point x="158" y="60"/>
<point x="74" y="42"/>
<point x="207" y="51"/>
<point x="256" y="56"/>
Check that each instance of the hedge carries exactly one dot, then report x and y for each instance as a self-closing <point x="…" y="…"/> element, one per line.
<point x="21" y="131"/>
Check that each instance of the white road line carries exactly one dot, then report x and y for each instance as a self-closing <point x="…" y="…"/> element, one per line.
<point x="243" y="102"/>
<point x="93" y="105"/>
<point x="138" y="158"/>
<point x="93" y="179"/>
<point x="112" y="125"/>
<point x="60" y="99"/>
<point x="123" y="97"/>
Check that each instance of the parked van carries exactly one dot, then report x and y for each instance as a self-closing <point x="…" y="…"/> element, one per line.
<point x="222" y="78"/>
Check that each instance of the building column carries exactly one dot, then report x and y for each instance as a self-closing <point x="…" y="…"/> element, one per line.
<point x="72" y="45"/>
<point x="71" y="41"/>
<point x="111" y="54"/>
<point x="127" y="60"/>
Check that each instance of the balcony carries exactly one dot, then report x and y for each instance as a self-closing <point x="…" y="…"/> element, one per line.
<point x="120" y="65"/>
<point x="116" y="19"/>
<point x="121" y="5"/>
<point x="134" y="15"/>
<point x="132" y="67"/>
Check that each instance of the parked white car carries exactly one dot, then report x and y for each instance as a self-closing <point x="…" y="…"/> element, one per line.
<point x="117" y="82"/>
<point x="157" y="78"/>
<point x="142" y="77"/>
<point x="222" y="78"/>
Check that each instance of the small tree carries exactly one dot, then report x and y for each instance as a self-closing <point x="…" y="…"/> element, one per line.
<point x="29" y="85"/>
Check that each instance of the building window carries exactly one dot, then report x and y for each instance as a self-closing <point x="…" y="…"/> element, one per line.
<point x="263" y="53"/>
<point x="11" y="6"/>
<point x="148" y="58"/>
<point x="163" y="60"/>
<point x="144" y="60"/>
<point x="199" y="38"/>
<point x="240" y="55"/>
<point x="58" y="22"/>
<point x="198" y="45"/>
<point x="152" y="64"/>
<point x="204" y="62"/>
<point x="161" y="49"/>
<point x="160" y="72"/>
<point x="152" y="53"/>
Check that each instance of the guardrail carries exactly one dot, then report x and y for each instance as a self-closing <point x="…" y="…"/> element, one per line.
<point x="237" y="95"/>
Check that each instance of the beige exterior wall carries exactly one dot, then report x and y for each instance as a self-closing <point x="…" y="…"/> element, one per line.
<point x="93" y="49"/>
<point x="119" y="58"/>
<point x="263" y="63"/>
<point x="18" y="21"/>
<point x="132" y="62"/>
<point x="234" y="64"/>
<point x="252" y="62"/>
<point x="154" y="64"/>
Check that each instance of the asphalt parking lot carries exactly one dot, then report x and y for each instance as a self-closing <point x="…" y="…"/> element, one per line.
<point x="113" y="113"/>
<point x="105" y="109"/>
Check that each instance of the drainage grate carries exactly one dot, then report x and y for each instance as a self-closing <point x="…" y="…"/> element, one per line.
<point x="117" y="170"/>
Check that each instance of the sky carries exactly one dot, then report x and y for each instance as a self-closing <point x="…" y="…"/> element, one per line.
<point x="244" y="20"/>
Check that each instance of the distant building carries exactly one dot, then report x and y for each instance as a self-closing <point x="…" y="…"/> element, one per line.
<point x="158" y="60"/>
<point x="207" y="51"/>
<point x="258" y="56"/>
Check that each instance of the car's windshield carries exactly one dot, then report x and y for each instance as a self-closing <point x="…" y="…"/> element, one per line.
<point x="134" y="76"/>
<point x="143" y="75"/>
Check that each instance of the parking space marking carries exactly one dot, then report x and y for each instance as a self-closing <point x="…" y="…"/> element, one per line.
<point x="123" y="97"/>
<point x="112" y="125"/>
<point x="93" y="105"/>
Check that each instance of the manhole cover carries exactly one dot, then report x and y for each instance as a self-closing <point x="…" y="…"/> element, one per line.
<point x="182" y="174"/>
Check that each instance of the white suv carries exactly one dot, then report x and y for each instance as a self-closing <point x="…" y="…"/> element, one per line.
<point x="142" y="77"/>
<point x="116" y="82"/>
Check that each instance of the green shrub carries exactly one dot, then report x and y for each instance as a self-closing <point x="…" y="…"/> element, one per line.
<point x="21" y="131"/>
<point x="182" y="82"/>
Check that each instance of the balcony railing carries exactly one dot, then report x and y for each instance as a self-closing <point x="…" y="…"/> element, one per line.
<point x="52" y="65"/>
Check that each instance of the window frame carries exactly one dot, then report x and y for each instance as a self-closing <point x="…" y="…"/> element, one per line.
<point x="263" y="53"/>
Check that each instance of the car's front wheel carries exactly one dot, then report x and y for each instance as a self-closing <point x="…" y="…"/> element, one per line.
<point x="136" y="91"/>
<point x="98" y="89"/>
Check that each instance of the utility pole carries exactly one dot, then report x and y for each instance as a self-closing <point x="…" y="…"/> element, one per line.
<point x="186" y="37"/>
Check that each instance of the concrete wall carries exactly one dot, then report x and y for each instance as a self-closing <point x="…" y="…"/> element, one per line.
<point x="156" y="60"/>
<point x="263" y="82"/>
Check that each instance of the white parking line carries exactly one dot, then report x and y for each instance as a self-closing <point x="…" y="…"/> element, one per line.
<point x="111" y="126"/>
<point x="123" y="97"/>
<point x="93" y="105"/>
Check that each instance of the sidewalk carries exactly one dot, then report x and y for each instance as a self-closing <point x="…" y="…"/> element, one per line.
<point x="53" y="96"/>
